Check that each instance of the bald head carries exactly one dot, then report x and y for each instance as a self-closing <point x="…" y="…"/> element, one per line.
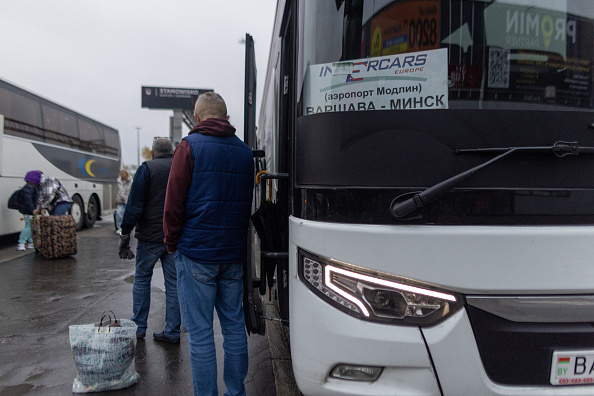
<point x="210" y="105"/>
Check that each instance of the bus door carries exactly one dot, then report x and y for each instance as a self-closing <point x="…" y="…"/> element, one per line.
<point x="286" y="129"/>
<point x="267" y="273"/>
<point x="252" y="303"/>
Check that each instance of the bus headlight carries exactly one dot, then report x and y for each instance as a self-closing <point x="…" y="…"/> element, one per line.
<point x="374" y="296"/>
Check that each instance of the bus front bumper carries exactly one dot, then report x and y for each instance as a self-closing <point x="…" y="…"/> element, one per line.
<point x="439" y="360"/>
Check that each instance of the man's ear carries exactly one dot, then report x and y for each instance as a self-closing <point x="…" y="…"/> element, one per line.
<point x="227" y="118"/>
<point x="152" y="154"/>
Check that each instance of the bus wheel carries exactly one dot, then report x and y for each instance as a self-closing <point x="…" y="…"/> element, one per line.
<point x="92" y="210"/>
<point x="77" y="212"/>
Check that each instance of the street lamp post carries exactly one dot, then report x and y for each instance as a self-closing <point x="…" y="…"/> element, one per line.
<point x="138" y="143"/>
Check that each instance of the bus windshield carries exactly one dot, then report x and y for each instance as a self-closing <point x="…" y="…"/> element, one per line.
<point x="514" y="54"/>
<point x="392" y="93"/>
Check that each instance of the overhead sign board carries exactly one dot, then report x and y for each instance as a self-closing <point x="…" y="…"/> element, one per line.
<point x="171" y="98"/>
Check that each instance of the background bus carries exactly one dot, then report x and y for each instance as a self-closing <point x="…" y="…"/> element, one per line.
<point x="82" y="153"/>
<point x="404" y="273"/>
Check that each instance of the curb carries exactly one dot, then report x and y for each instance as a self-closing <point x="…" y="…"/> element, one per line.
<point x="280" y="354"/>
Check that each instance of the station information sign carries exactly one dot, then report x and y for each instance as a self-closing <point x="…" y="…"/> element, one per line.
<point x="171" y="98"/>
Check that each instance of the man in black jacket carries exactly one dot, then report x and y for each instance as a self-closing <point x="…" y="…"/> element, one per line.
<point x="144" y="210"/>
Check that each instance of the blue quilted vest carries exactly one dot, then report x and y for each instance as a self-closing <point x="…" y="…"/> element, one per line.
<point x="219" y="200"/>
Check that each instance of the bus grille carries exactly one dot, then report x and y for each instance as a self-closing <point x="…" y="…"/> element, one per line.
<point x="515" y="353"/>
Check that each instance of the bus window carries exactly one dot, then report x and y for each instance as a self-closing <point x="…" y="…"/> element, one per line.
<point x="112" y="141"/>
<point x="506" y="74"/>
<point x="91" y="137"/>
<point x="505" y="55"/>
<point x="56" y="120"/>
<point x="16" y="107"/>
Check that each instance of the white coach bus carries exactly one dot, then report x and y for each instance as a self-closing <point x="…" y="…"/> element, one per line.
<point x="433" y="163"/>
<point x="37" y="134"/>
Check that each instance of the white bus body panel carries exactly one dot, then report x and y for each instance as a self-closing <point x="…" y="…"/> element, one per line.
<point x="492" y="260"/>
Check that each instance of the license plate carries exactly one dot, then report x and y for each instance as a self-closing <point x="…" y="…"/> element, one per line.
<point x="572" y="367"/>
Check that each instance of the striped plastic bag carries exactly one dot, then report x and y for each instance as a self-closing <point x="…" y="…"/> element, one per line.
<point x="104" y="355"/>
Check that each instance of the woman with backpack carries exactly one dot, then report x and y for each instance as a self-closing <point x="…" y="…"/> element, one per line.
<point x="28" y="196"/>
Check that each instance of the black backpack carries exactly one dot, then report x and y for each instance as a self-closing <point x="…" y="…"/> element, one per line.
<point x="14" y="200"/>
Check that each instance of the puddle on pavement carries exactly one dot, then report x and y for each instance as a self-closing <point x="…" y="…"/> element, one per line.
<point x="16" y="390"/>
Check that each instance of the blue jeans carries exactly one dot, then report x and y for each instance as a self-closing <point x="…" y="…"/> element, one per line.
<point x="26" y="235"/>
<point x="61" y="208"/>
<point x="203" y="288"/>
<point x="147" y="254"/>
<point x="119" y="215"/>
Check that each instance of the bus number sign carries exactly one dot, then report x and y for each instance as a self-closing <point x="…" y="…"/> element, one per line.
<point x="422" y="34"/>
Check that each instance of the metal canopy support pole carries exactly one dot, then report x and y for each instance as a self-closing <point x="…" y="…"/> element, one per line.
<point x="138" y="146"/>
<point x="175" y="127"/>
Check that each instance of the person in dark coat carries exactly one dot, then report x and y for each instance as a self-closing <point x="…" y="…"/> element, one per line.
<point x="206" y="220"/>
<point x="144" y="211"/>
<point x="28" y="197"/>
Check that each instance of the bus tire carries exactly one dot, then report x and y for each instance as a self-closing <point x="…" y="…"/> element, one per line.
<point x="92" y="210"/>
<point x="77" y="212"/>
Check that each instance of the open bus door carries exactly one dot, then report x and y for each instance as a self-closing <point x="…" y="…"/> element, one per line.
<point x="286" y="139"/>
<point x="252" y="302"/>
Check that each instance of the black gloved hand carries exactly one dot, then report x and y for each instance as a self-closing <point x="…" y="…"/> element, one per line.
<point x="124" y="247"/>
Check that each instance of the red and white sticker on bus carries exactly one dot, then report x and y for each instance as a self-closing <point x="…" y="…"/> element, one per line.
<point x="417" y="80"/>
<point x="572" y="367"/>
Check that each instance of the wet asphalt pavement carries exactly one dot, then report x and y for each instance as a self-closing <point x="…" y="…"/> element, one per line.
<point x="40" y="299"/>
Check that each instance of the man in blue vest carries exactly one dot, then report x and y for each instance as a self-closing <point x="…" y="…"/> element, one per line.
<point x="144" y="210"/>
<point x="206" y="219"/>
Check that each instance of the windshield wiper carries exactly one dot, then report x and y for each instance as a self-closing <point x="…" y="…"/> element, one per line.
<point x="418" y="200"/>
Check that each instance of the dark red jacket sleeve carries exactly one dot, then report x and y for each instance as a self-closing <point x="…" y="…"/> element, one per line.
<point x="178" y="185"/>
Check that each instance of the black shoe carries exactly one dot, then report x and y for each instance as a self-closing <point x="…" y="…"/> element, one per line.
<point x="140" y="336"/>
<point x="163" y="337"/>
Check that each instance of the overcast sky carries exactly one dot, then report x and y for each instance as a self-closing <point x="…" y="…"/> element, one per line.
<point x="94" y="56"/>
